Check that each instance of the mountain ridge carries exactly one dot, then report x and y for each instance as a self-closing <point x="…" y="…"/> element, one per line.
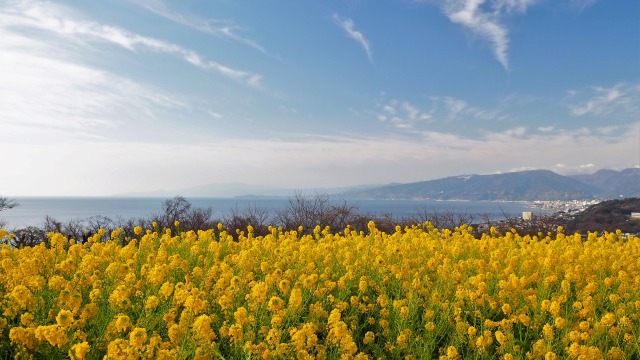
<point x="527" y="185"/>
<point x="614" y="183"/>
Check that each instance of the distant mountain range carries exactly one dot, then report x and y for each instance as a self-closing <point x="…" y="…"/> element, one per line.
<point x="216" y="190"/>
<point x="614" y="183"/>
<point x="514" y="186"/>
<point x="231" y="190"/>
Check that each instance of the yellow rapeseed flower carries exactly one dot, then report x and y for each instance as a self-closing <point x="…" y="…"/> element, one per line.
<point x="322" y="295"/>
<point x="64" y="318"/>
<point x="506" y="309"/>
<point x="152" y="302"/>
<point x="295" y="299"/>
<point x="122" y="322"/>
<point x="79" y="351"/>
<point x="138" y="337"/>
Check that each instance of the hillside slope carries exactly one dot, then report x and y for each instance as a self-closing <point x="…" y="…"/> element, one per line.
<point x="608" y="216"/>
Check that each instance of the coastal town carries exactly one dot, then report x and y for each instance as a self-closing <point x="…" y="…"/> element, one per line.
<point x="568" y="207"/>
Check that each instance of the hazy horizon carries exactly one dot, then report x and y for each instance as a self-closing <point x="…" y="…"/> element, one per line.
<point x="241" y="190"/>
<point x="104" y="98"/>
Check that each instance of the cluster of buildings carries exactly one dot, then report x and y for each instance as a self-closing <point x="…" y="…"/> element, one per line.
<point x="568" y="207"/>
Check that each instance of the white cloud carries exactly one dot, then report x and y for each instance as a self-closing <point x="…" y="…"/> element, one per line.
<point x="487" y="25"/>
<point x="222" y="28"/>
<point x="349" y="27"/>
<point x="516" y="132"/>
<point x="485" y="19"/>
<point x="54" y="19"/>
<point x="562" y="168"/>
<point x="600" y="101"/>
<point x="520" y="168"/>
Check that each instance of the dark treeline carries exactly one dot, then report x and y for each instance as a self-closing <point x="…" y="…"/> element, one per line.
<point x="299" y="210"/>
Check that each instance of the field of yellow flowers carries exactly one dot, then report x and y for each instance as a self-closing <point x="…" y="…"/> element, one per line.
<point x="418" y="293"/>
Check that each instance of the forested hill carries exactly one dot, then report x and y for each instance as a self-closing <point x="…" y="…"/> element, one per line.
<point x="608" y="216"/>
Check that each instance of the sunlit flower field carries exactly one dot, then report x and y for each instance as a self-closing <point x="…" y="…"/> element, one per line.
<point x="418" y="293"/>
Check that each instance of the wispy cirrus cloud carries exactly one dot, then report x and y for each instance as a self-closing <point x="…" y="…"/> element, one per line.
<point x="348" y="26"/>
<point x="621" y="98"/>
<point x="404" y="115"/>
<point x="486" y="20"/>
<point x="216" y="27"/>
<point x="42" y="96"/>
<point x="52" y="91"/>
<point x="581" y="4"/>
<point x="53" y="19"/>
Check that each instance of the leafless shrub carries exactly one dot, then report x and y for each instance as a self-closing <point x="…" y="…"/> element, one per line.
<point x="181" y="210"/>
<point x="75" y="229"/>
<point x="239" y="219"/>
<point x="95" y="223"/>
<point x="29" y="236"/>
<point x="444" y="219"/>
<point x="127" y="225"/>
<point x="309" y="211"/>
<point x="198" y="219"/>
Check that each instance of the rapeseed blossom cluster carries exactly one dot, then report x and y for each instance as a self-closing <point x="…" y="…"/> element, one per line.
<point x="420" y="292"/>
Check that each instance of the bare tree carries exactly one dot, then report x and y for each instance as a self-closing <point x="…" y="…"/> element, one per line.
<point x="51" y="225"/>
<point x="175" y="209"/>
<point x="181" y="210"/>
<point x="95" y="223"/>
<point x="6" y="204"/>
<point x="74" y="229"/>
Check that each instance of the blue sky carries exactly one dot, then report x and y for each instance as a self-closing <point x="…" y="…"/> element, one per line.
<point x="109" y="97"/>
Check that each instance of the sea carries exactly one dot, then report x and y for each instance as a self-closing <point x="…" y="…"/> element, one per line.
<point x="32" y="211"/>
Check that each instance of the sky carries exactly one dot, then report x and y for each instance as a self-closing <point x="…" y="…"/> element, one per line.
<point x="111" y="97"/>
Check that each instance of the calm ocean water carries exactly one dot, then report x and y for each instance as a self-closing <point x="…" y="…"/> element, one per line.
<point x="32" y="210"/>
